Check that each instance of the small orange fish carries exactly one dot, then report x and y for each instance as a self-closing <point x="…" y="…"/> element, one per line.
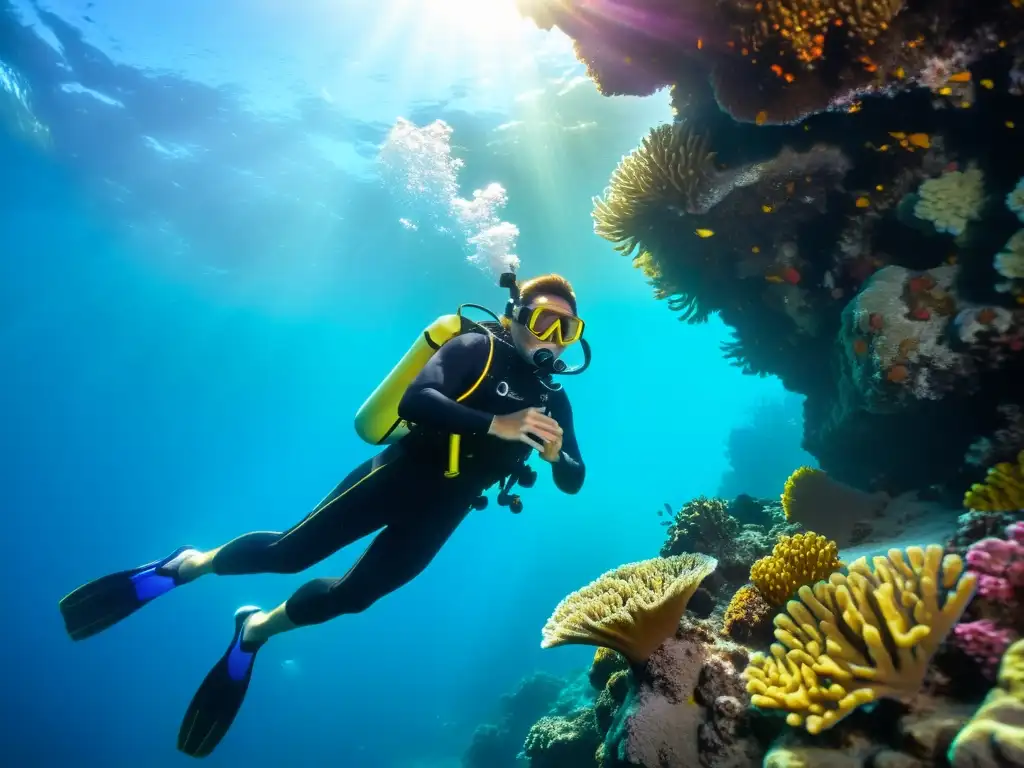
<point x="986" y="83"/>
<point x="860" y="347"/>
<point x="862" y="202"/>
<point x="704" y="232"/>
<point x="879" y="188"/>
<point x="772" y="279"/>
<point x="700" y="43"/>
<point x="900" y="72"/>
<point x="922" y="140"/>
<point x="761" y="117"/>
<point x="945" y="91"/>
<point x="960" y="77"/>
<point x="898" y="134"/>
<point x="767" y="208"/>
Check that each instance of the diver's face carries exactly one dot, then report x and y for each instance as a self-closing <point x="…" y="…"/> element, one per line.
<point x="526" y="342"/>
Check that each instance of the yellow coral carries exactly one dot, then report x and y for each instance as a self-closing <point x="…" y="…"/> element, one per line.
<point x="835" y="510"/>
<point x="632" y="609"/>
<point x="995" y="735"/>
<point x="789" y="490"/>
<point x="859" y="637"/>
<point x="1001" y="491"/>
<point x="794" y="562"/>
<point x="951" y="200"/>
<point x="605" y="664"/>
<point x="670" y="167"/>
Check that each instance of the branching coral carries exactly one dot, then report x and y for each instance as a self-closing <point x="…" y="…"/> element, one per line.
<point x="1001" y="491"/>
<point x="951" y="201"/>
<point x="837" y="511"/>
<point x="859" y="637"/>
<point x="630" y="609"/>
<point x="995" y="735"/>
<point x="794" y="562"/>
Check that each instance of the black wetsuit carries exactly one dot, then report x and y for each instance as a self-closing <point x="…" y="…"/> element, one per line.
<point x="404" y="490"/>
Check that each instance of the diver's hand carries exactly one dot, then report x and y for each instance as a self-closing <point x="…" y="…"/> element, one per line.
<point x="553" y="450"/>
<point x="518" y="426"/>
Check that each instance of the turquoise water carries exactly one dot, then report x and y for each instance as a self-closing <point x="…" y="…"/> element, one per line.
<point x="206" y="270"/>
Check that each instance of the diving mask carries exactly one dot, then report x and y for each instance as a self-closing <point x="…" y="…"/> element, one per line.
<point x="551" y="325"/>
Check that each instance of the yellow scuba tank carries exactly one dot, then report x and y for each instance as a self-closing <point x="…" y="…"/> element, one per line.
<point x="377" y="420"/>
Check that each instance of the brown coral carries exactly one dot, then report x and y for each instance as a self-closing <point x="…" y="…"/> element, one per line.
<point x="748" y="615"/>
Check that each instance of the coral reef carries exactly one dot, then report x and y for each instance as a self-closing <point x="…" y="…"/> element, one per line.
<point x="857" y="638"/>
<point x="495" y="745"/>
<point x="795" y="561"/>
<point x="748" y="617"/>
<point x="826" y="190"/>
<point x="556" y="741"/>
<point x="630" y="609"/>
<point x="726" y="531"/>
<point x="995" y="735"/>
<point x="702" y="525"/>
<point x="687" y="708"/>
<point x="1002" y="489"/>
<point x="833" y="509"/>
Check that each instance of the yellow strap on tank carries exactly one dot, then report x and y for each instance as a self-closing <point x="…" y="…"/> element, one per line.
<point x="454" y="441"/>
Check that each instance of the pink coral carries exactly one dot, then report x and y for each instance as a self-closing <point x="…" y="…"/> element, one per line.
<point x="999" y="564"/>
<point x="984" y="642"/>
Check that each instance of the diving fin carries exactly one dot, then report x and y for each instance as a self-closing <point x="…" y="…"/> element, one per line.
<point x="104" y="602"/>
<point x="219" y="698"/>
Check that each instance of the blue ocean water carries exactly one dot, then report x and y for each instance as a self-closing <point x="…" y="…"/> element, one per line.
<point x="204" y="274"/>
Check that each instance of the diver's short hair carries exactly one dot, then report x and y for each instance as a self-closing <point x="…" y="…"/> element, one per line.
<point x="550" y="285"/>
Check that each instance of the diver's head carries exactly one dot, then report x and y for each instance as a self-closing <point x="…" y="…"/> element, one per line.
<point x="544" y="318"/>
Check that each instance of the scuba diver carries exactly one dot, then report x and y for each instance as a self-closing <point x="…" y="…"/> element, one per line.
<point x="462" y="411"/>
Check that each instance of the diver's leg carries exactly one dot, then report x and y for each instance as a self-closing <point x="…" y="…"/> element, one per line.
<point x="355" y="508"/>
<point x="395" y="557"/>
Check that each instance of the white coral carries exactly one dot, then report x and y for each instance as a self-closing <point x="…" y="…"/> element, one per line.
<point x="952" y="200"/>
<point x="920" y="344"/>
<point x="1015" y="199"/>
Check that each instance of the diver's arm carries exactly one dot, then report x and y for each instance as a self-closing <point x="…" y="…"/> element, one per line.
<point x="429" y="400"/>
<point x="569" y="471"/>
